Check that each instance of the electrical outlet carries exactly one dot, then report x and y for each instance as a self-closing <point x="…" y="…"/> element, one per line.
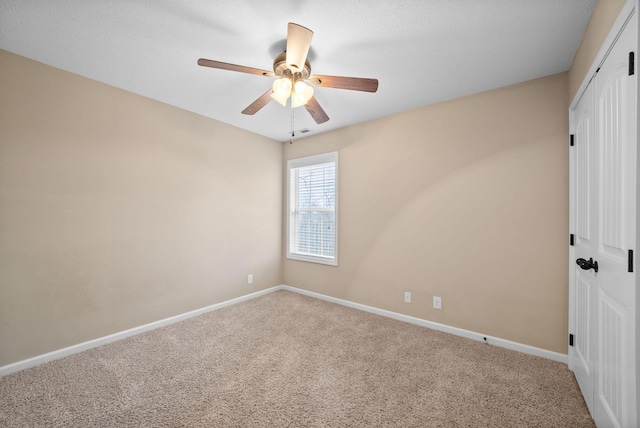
<point x="250" y="278"/>
<point x="407" y="297"/>
<point x="437" y="302"/>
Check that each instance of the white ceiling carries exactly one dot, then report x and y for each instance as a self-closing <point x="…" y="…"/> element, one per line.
<point x="422" y="52"/>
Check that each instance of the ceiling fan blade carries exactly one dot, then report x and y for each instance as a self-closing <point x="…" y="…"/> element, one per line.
<point x="339" y="82"/>
<point x="298" y="43"/>
<point x="316" y="112"/>
<point x="262" y="101"/>
<point x="233" y="67"/>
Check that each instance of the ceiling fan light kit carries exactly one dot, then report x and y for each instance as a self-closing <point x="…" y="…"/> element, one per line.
<point x="281" y="90"/>
<point x="301" y="94"/>
<point x="291" y="70"/>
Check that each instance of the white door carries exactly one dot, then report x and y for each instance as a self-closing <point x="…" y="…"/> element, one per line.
<point x="616" y="119"/>
<point x="585" y="226"/>
<point x="604" y="189"/>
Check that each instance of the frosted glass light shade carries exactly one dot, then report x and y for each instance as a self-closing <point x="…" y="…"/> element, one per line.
<point x="281" y="90"/>
<point x="301" y="94"/>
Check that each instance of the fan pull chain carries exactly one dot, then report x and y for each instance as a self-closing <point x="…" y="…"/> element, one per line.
<point x="292" y="133"/>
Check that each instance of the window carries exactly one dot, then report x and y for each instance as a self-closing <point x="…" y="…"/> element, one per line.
<point x="312" y="207"/>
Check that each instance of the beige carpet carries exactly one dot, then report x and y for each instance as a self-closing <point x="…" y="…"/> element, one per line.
<point x="286" y="360"/>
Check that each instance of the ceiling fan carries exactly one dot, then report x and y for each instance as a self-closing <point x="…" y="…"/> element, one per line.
<point x="291" y="70"/>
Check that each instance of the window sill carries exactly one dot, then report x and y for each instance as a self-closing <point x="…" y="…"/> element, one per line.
<point x="331" y="261"/>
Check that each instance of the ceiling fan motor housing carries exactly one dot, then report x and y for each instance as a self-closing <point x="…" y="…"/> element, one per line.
<point x="281" y="69"/>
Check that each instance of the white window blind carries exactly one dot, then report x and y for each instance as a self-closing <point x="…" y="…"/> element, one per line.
<point x="312" y="207"/>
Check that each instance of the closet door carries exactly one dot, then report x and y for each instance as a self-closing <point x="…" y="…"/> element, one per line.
<point x="616" y="161"/>
<point x="603" y="281"/>
<point x="585" y="242"/>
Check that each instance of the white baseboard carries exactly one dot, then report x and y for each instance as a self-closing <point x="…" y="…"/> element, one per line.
<point x="503" y="343"/>
<point x="74" y="349"/>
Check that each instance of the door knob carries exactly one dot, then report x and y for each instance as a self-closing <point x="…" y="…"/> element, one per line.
<point x="587" y="264"/>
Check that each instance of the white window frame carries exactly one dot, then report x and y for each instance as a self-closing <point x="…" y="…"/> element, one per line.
<point x="291" y="215"/>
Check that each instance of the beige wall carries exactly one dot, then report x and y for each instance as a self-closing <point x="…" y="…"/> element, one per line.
<point x="116" y="210"/>
<point x="603" y="16"/>
<point x="467" y="200"/>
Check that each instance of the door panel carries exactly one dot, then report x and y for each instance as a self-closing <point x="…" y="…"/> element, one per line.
<point x="613" y="167"/>
<point x="610" y="386"/>
<point x="582" y="337"/>
<point x="584" y="168"/>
